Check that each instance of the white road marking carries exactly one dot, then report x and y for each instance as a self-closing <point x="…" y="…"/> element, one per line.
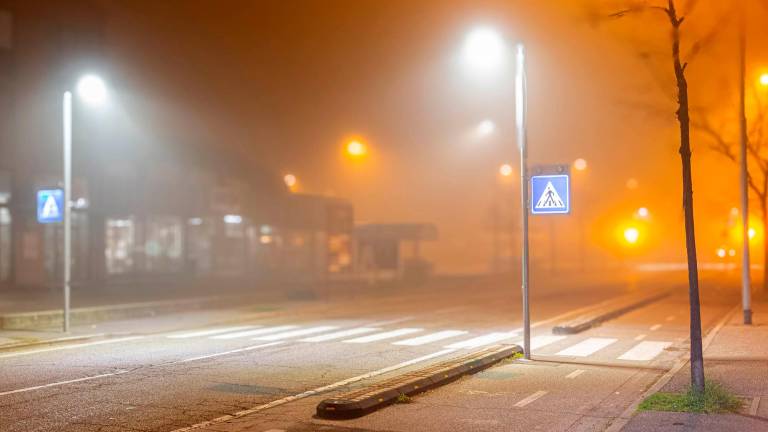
<point x="655" y="327"/>
<point x="390" y="322"/>
<point x="63" y="382"/>
<point x="754" y="405"/>
<point x="575" y="373"/>
<point x="587" y="347"/>
<point x="433" y="337"/>
<point x="295" y="333"/>
<point x="250" y="348"/>
<point x="206" y="332"/>
<point x="256" y="332"/>
<point x="544" y="340"/>
<point x="341" y="334"/>
<point x="385" y="335"/>
<point x="313" y="392"/>
<point x="66" y="347"/>
<point x="640" y="337"/>
<point x="530" y="398"/>
<point x="645" y="351"/>
<point x="275" y="430"/>
<point x="487" y="339"/>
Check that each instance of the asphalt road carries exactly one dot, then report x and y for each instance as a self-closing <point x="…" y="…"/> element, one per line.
<point x="170" y="373"/>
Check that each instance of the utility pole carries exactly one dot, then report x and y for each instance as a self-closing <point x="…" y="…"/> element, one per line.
<point x="746" y="290"/>
<point x="520" y="119"/>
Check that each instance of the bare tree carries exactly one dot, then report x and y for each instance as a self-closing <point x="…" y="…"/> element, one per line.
<point x="675" y="22"/>
<point x="757" y="151"/>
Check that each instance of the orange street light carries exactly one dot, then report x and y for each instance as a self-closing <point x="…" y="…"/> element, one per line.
<point x="631" y="235"/>
<point x="356" y="149"/>
<point x="764" y="79"/>
<point x="291" y="182"/>
<point x="505" y="170"/>
<point x="580" y="164"/>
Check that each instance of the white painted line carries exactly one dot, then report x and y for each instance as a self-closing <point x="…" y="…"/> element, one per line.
<point x="74" y="346"/>
<point x="250" y="348"/>
<point x="655" y="327"/>
<point x="587" y="347"/>
<point x="544" y="340"/>
<point x="530" y="398"/>
<point x="341" y="334"/>
<point x="275" y="430"/>
<point x="645" y="351"/>
<point x="487" y="339"/>
<point x="575" y="373"/>
<point x="313" y="392"/>
<point x="295" y="333"/>
<point x="256" y="332"/>
<point x="640" y="337"/>
<point x="433" y="337"/>
<point x="754" y="405"/>
<point x="62" y="383"/>
<point x="206" y="332"/>
<point x="385" y="335"/>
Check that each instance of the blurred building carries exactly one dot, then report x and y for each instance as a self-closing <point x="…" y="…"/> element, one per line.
<point x="145" y="211"/>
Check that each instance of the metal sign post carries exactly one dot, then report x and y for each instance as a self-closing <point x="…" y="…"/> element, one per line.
<point x="520" y="119"/>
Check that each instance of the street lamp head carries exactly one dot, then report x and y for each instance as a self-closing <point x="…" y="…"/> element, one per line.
<point x="92" y="89"/>
<point x="484" y="50"/>
<point x="764" y="79"/>
<point x="580" y="164"/>
<point x="486" y="127"/>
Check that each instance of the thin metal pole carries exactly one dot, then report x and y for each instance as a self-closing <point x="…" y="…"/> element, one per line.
<point x="520" y="117"/>
<point x="745" y="267"/>
<point x="67" y="198"/>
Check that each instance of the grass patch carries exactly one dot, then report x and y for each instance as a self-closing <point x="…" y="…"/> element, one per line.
<point x="403" y="399"/>
<point x="517" y="355"/>
<point x="715" y="399"/>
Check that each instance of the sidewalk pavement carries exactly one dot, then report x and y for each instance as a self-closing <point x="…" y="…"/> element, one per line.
<point x="737" y="358"/>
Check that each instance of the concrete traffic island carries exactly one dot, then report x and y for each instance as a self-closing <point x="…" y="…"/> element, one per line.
<point x="373" y="397"/>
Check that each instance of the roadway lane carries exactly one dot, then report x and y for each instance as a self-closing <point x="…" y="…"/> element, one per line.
<point x="160" y="381"/>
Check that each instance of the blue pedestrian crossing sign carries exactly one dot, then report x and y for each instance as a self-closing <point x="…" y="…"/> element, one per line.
<point x="550" y="194"/>
<point x="50" y="206"/>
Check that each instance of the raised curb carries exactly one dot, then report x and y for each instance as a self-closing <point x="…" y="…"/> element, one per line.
<point x="52" y="318"/>
<point x="360" y="402"/>
<point x="593" y="319"/>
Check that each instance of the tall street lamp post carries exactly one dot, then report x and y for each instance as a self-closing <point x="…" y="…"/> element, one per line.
<point x="91" y="89"/>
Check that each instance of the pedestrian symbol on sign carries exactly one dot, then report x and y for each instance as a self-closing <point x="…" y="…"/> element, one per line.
<point x="551" y="193"/>
<point x="50" y="205"/>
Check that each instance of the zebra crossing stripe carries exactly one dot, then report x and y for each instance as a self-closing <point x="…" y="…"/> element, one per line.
<point x="341" y="334"/>
<point x="295" y="333"/>
<point x="386" y="335"/>
<point x="644" y="351"/>
<point x="542" y="341"/>
<point x="482" y="340"/>
<point x="256" y="332"/>
<point x="421" y="340"/>
<point x="207" y="332"/>
<point x="587" y="347"/>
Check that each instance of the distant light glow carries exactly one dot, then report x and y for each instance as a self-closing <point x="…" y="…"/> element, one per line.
<point x="265" y="229"/>
<point x="484" y="50"/>
<point x="632" y="183"/>
<point x="486" y="127"/>
<point x="265" y="239"/>
<point x="734" y="211"/>
<point x="580" y="164"/>
<point x="764" y="79"/>
<point x="233" y="219"/>
<point x="505" y="170"/>
<point x="195" y="221"/>
<point x="643" y="212"/>
<point x="631" y="235"/>
<point x="721" y="252"/>
<point x="732" y="252"/>
<point x="356" y="149"/>
<point x="290" y="181"/>
<point x="92" y="89"/>
<point x="751" y="233"/>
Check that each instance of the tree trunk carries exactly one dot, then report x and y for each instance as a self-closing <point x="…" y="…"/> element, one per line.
<point x="697" y="360"/>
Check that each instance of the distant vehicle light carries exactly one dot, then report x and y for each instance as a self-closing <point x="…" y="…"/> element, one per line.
<point x="631" y="235"/>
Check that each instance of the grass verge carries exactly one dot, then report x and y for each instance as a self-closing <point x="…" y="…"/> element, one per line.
<point x="715" y="399"/>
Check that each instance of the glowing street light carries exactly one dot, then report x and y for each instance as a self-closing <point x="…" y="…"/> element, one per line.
<point x="643" y="213"/>
<point x="290" y="181"/>
<point x="486" y="127"/>
<point x="764" y="79"/>
<point x="751" y="233"/>
<point x="92" y="90"/>
<point x="484" y="50"/>
<point x="356" y="149"/>
<point x="721" y="252"/>
<point x="505" y="170"/>
<point x="580" y="164"/>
